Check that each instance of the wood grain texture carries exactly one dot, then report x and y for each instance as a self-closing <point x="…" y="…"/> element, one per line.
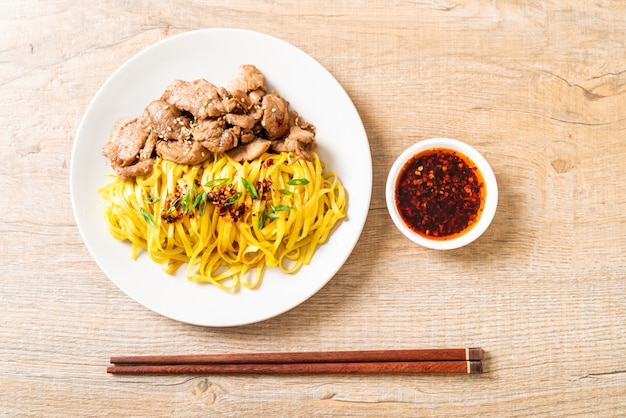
<point x="539" y="87"/>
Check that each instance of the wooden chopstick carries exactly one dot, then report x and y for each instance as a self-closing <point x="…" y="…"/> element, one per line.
<point x="376" y="367"/>
<point x="438" y="360"/>
<point x="428" y="354"/>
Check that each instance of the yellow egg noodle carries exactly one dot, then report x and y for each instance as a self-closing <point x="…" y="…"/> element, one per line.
<point x="224" y="218"/>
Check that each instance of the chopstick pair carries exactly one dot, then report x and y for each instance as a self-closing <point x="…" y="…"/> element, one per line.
<point x="432" y="360"/>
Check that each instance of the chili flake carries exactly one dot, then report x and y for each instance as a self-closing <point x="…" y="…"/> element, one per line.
<point x="224" y="198"/>
<point x="440" y="194"/>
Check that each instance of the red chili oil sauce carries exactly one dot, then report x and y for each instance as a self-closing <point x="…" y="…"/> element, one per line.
<point x="440" y="194"/>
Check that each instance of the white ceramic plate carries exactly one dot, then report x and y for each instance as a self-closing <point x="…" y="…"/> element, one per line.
<point x="215" y="54"/>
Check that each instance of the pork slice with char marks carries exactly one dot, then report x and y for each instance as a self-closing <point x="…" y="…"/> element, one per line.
<point x="200" y="98"/>
<point x="182" y="152"/>
<point x="299" y="141"/>
<point x="250" y="151"/>
<point x="247" y="78"/>
<point x="303" y="149"/>
<point x="256" y="96"/>
<point x="247" y="136"/>
<point x="243" y="100"/>
<point x="127" y="139"/>
<point x="149" y="147"/>
<point x="130" y="148"/>
<point x="246" y="121"/>
<point x="166" y="120"/>
<point x="296" y="120"/>
<point x="278" y="145"/>
<point x="140" y="168"/>
<point x="229" y="103"/>
<point x="248" y="101"/>
<point x="275" y="118"/>
<point x="215" y="136"/>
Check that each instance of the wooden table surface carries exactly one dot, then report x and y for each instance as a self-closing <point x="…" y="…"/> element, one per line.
<point x="539" y="87"/>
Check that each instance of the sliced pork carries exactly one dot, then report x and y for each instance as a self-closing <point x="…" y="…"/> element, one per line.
<point x="243" y="121"/>
<point x="140" y="168"/>
<point x="193" y="119"/>
<point x="275" y="119"/>
<point x="247" y="78"/>
<point x="127" y="139"/>
<point x="250" y="151"/>
<point x="200" y="98"/>
<point x="215" y="136"/>
<point x="166" y="120"/>
<point x="182" y="152"/>
<point x="124" y="148"/>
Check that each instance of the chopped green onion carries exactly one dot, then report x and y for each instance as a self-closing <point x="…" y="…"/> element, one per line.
<point x="202" y="204"/>
<point x="175" y="203"/>
<point x="186" y="202"/>
<point x="297" y="182"/>
<point x="146" y="216"/>
<point x="152" y="200"/>
<point x="200" y="197"/>
<point x="286" y="192"/>
<point x="271" y="215"/>
<point x="216" y="182"/>
<point x="250" y="188"/>
<point x="232" y="199"/>
<point x="261" y="220"/>
<point x="280" y="208"/>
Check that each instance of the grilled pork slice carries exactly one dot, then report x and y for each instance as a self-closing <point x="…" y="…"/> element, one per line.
<point x="247" y="78"/>
<point x="248" y="101"/>
<point x="275" y="119"/>
<point x="166" y="120"/>
<point x="215" y="136"/>
<point x="302" y="142"/>
<point x="250" y="151"/>
<point x="127" y="147"/>
<point x="299" y="141"/>
<point x="127" y="139"/>
<point x="200" y="98"/>
<point x="243" y="121"/>
<point x="182" y="152"/>
<point x="140" y="168"/>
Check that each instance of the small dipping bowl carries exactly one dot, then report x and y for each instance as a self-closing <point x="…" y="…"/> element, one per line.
<point x="432" y="187"/>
